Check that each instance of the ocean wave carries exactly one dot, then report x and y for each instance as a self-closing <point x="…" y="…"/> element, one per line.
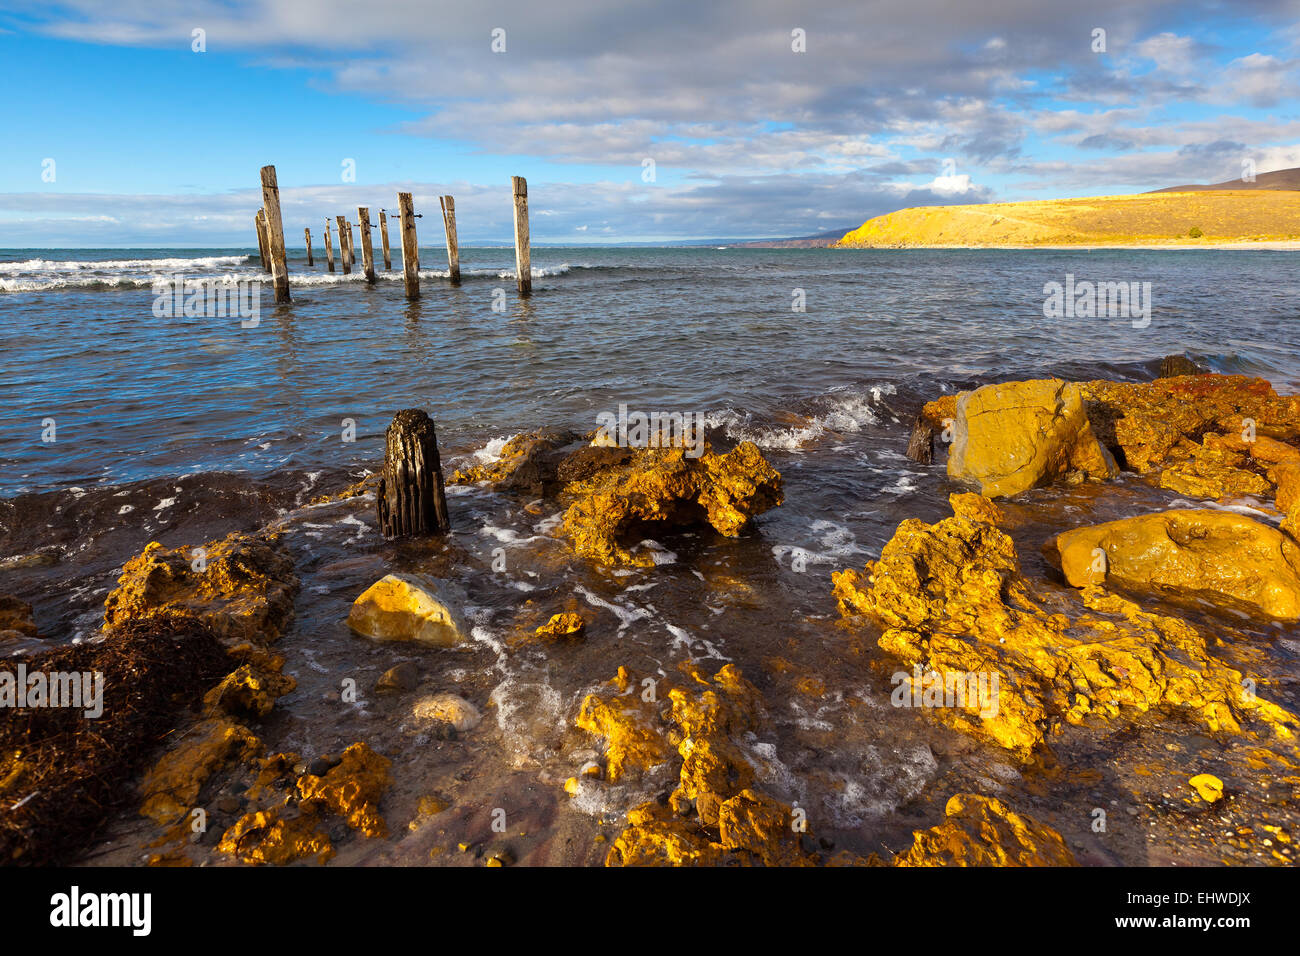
<point x="109" y="265"/>
<point x="838" y="412"/>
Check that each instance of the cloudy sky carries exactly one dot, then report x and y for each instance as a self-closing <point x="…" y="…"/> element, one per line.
<point x="635" y="121"/>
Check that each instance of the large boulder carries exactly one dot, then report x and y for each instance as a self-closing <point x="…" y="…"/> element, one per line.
<point x="1012" y="437"/>
<point x="1220" y="556"/>
<point x="410" y="607"/>
<point x="949" y="597"/>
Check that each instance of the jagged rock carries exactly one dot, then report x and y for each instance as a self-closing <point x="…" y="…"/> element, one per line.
<point x="528" y="463"/>
<point x="634" y="735"/>
<point x="763" y="828"/>
<point x="252" y="689"/>
<point x="667" y="488"/>
<point x="567" y="626"/>
<point x="951" y="599"/>
<point x="242" y="587"/>
<point x="171" y="789"/>
<point x="655" y="836"/>
<point x="983" y="831"/>
<point x="1221" y="556"/>
<point x="352" y="789"/>
<point x="1020" y="435"/>
<point x="410" y="607"/>
<point x="266" y="837"/>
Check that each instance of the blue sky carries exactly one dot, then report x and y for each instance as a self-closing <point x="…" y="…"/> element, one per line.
<point x="896" y="103"/>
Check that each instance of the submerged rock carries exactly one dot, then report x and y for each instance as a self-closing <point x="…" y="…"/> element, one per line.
<point x="448" y="709"/>
<point x="629" y="723"/>
<point x="983" y="831"/>
<point x="951" y="599"/>
<point x="1221" y="556"/>
<point x="252" y="689"/>
<point x="16" y="619"/>
<point x="1016" y="436"/>
<point x="242" y="587"/>
<point x="567" y="626"/>
<point x="398" y="679"/>
<point x="528" y="463"/>
<point x="409" y="607"/>
<point x="667" y="488"/>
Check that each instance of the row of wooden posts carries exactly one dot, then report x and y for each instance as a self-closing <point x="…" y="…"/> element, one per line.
<point x="270" y="240"/>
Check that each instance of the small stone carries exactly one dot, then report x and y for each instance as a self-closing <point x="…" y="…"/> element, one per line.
<point x="404" y="677"/>
<point x="228" y="803"/>
<point x="563" y="627"/>
<point x="448" y="709"/>
<point x="321" y="765"/>
<point x="1208" y="786"/>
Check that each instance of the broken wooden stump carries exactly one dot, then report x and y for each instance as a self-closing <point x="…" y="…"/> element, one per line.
<point x="920" y="446"/>
<point x="411" y="497"/>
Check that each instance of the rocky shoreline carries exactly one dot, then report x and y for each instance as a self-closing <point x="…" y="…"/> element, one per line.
<point x="1082" y="631"/>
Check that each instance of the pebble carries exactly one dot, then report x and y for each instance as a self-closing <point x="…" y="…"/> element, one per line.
<point x="404" y="677"/>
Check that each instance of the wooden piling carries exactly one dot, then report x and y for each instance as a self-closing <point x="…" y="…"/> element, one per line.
<point x="410" y="247"/>
<point x="259" y="223"/>
<point x="383" y="238"/>
<point x="920" y="444"/>
<point x="275" y="234"/>
<point x="329" y="250"/>
<point x="352" y="246"/>
<point x="343" y="245"/>
<point x="411" y="499"/>
<point x="453" y="246"/>
<point x="367" y="249"/>
<point x="523" y="263"/>
<point x="307" y="235"/>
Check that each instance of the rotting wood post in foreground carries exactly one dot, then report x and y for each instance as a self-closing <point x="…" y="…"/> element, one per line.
<point x="343" y="245"/>
<point x="329" y="249"/>
<point x="383" y="239"/>
<point x="453" y="246"/>
<point x="307" y="235"/>
<point x="275" y="234"/>
<point x="411" y="498"/>
<point x="523" y="263"/>
<point x="367" y="249"/>
<point x="920" y="445"/>
<point x="410" y="247"/>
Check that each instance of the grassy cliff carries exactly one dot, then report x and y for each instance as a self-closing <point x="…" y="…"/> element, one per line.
<point x="1191" y="218"/>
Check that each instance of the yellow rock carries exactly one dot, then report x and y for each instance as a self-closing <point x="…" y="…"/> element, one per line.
<point x="266" y="837"/>
<point x="242" y="587"/>
<point x="668" y="488"/>
<point x="171" y="788"/>
<point x="657" y="837"/>
<point x="571" y="786"/>
<point x="759" y="825"/>
<point x="1012" y="437"/>
<point x="351" y="789"/>
<point x="566" y="626"/>
<point x="1208" y="786"/>
<point x="631" y="727"/>
<point x="950" y="598"/>
<point x="408" y="607"/>
<point x="983" y="831"/>
<point x="1221" y="556"/>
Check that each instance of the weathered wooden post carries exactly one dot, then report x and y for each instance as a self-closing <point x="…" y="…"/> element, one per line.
<point x="343" y="245"/>
<point x="453" y="247"/>
<point x="410" y="248"/>
<point x="367" y="248"/>
<point x="411" y="496"/>
<point x="383" y="238"/>
<point x="920" y="444"/>
<point x="523" y="263"/>
<point x="352" y="247"/>
<point x="275" y="234"/>
<point x="259" y="223"/>
<point x="329" y="249"/>
<point x="307" y="235"/>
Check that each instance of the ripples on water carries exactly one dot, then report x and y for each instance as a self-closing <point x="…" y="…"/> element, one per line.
<point x="184" y="429"/>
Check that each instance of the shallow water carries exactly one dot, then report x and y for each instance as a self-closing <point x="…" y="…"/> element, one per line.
<point x="182" y="430"/>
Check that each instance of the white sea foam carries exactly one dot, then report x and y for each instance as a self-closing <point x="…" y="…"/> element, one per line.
<point x="845" y="413"/>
